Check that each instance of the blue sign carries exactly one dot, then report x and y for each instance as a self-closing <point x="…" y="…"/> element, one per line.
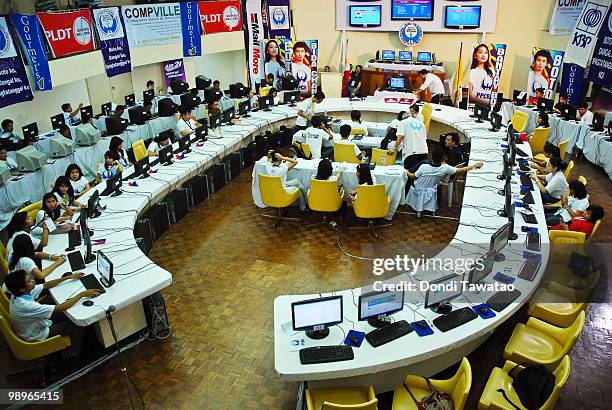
<point x="572" y="81"/>
<point x="411" y="34"/>
<point x="31" y="38"/>
<point x="14" y="85"/>
<point x="600" y="71"/>
<point x="113" y="42"/>
<point x="190" y="25"/>
<point x="277" y="18"/>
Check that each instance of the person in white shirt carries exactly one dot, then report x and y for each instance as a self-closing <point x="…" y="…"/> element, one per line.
<point x="53" y="209"/>
<point x="306" y="110"/>
<point x="435" y="85"/>
<point x="392" y="130"/>
<point x="356" y="123"/>
<point x="320" y="138"/>
<point x="8" y="132"/>
<point x="158" y="143"/>
<point x="345" y="132"/>
<point x="279" y="165"/>
<point x="556" y="185"/>
<point x="584" y="114"/>
<point x="80" y="184"/>
<point x="186" y="125"/>
<point x="24" y="258"/>
<point x="21" y="224"/>
<point x="32" y="321"/>
<point x="70" y="114"/>
<point x="412" y="137"/>
<point x="6" y="161"/>
<point x="110" y="168"/>
<point x="116" y="147"/>
<point x="575" y="204"/>
<point x="364" y="177"/>
<point x="414" y="111"/>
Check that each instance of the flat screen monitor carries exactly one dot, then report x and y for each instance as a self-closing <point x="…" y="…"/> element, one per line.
<point x="141" y="167"/>
<point x="315" y="315"/>
<point x="113" y="185"/>
<point x="499" y="239"/>
<point x="92" y="205"/>
<point x="130" y="100"/>
<point x="482" y="267"/>
<point x="405" y="56"/>
<point x="496" y="120"/>
<point x="461" y="17"/>
<point x="291" y="97"/>
<point x="481" y="112"/>
<point x="268" y="101"/>
<point x="244" y="107"/>
<point x="424" y="57"/>
<point x="86" y="110"/>
<point x="443" y="290"/>
<point x="568" y="112"/>
<point x="388" y="55"/>
<point x="106" y="108"/>
<point x="365" y="16"/>
<point x="184" y="144"/>
<point x="105" y="269"/>
<point x="397" y="82"/>
<point x="148" y="94"/>
<point x="377" y="305"/>
<point x="30" y="131"/>
<point x="412" y="9"/>
<point x="228" y="115"/>
<point x="165" y="155"/>
<point x="545" y="104"/>
<point x="215" y="121"/>
<point x="85" y="234"/>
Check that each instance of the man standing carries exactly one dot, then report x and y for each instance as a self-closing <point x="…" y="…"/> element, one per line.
<point x="70" y="114"/>
<point x="434" y="84"/>
<point x="306" y="110"/>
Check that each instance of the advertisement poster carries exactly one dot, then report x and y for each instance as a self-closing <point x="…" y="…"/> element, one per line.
<point x="174" y="70"/>
<point x="600" y="71"/>
<point x="152" y="24"/>
<point x="14" y="86"/>
<point x="572" y="81"/>
<point x="274" y="60"/>
<point x="303" y="59"/>
<point x="253" y="39"/>
<point x="278" y="18"/>
<point x="485" y="71"/>
<point x="31" y="38"/>
<point x="584" y="36"/>
<point x="113" y="42"/>
<point x="564" y="16"/>
<point x="68" y="32"/>
<point x="544" y="70"/>
<point x="190" y="25"/>
<point x="220" y="16"/>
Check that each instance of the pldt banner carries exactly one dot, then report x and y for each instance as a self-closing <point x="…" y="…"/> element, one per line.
<point x="220" y="16"/>
<point x="31" y="39"/>
<point x="14" y="86"/>
<point x="190" y="24"/>
<point x="69" y="32"/>
<point x="113" y="41"/>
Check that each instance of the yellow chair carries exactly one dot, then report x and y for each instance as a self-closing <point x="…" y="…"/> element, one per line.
<point x="457" y="386"/>
<point x="538" y="139"/>
<point x="4" y="303"/>
<point x="264" y="91"/>
<point x="323" y="196"/>
<point x="519" y="120"/>
<point x="273" y="194"/>
<point x="3" y="261"/>
<point x="362" y="398"/>
<point x="306" y="149"/>
<point x="359" y="130"/>
<point x="595" y="228"/>
<point x="563" y="148"/>
<point x="378" y="154"/>
<point x="371" y="203"/>
<point x="563" y="243"/>
<point x="427" y="111"/>
<point x="32" y="209"/>
<point x="345" y="153"/>
<point x="583" y="180"/>
<point x="557" y="304"/>
<point x="501" y="379"/>
<point x="140" y="151"/>
<point x="568" y="170"/>
<point x="562" y="274"/>
<point x="538" y="342"/>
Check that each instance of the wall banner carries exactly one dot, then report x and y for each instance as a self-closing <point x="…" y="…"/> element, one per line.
<point x="275" y="62"/>
<point x="68" y="32"/>
<point x="152" y="24"/>
<point x="253" y="40"/>
<point x="190" y="24"/>
<point x="31" y="38"/>
<point x="572" y="81"/>
<point x="174" y="70"/>
<point x="220" y="16"/>
<point x="600" y="71"/>
<point x="113" y="41"/>
<point x="544" y="71"/>
<point x="485" y="72"/>
<point x="583" y="38"/>
<point x="564" y="16"/>
<point x="303" y="57"/>
<point x="278" y="18"/>
<point x="14" y="86"/>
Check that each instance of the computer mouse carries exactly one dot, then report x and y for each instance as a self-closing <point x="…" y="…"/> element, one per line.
<point x="88" y="303"/>
<point x="483" y="310"/>
<point x="354" y="339"/>
<point x="66" y="274"/>
<point x="421" y="324"/>
<point x="437" y="109"/>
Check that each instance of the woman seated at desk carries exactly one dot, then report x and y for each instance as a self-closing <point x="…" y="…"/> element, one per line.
<point x="57" y="211"/>
<point x="553" y="185"/>
<point x="79" y="183"/>
<point x="364" y="177"/>
<point x="116" y="147"/>
<point x="574" y="205"/>
<point x="110" y="168"/>
<point x="25" y="258"/>
<point x="158" y="143"/>
<point x="21" y="224"/>
<point x="64" y="193"/>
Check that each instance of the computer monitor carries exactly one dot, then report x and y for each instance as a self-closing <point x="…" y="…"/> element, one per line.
<point x="165" y="155"/>
<point x="130" y="100"/>
<point x="482" y="267"/>
<point x="505" y="213"/>
<point x="30" y="131"/>
<point x="106" y="108"/>
<point x="568" y="112"/>
<point x="291" y="97"/>
<point x="238" y="90"/>
<point x="441" y="291"/>
<point x="138" y="115"/>
<point x="211" y="95"/>
<point x="545" y="104"/>
<point x="266" y="102"/>
<point x="598" y="121"/>
<point x="462" y="17"/>
<point x="405" y="56"/>
<point x="93" y="204"/>
<point x="228" y="115"/>
<point x="86" y="233"/>
<point x="86" y="110"/>
<point x="113" y="185"/>
<point x="519" y="97"/>
<point x="424" y="57"/>
<point x="495" y="120"/>
<point x="397" y="82"/>
<point x="148" y="94"/>
<point x="184" y="143"/>
<point x="499" y="240"/>
<point x="141" y="167"/>
<point x="202" y="82"/>
<point x="215" y="121"/>
<point x="244" y="107"/>
<point x="201" y="132"/>
<point x="506" y="168"/>
<point x="481" y="112"/>
<point x="316" y="315"/>
<point x="375" y="307"/>
<point x="57" y="121"/>
<point x="365" y="16"/>
<point x="105" y="269"/>
<point x="387" y="55"/>
<point x="412" y="9"/>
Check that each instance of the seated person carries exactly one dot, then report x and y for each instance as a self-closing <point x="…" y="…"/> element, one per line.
<point x="541" y="122"/>
<point x="118" y="113"/>
<point x="320" y="137"/>
<point x="21" y="224"/>
<point x="186" y="125"/>
<point x="151" y="86"/>
<point x="575" y="204"/>
<point x="584" y="222"/>
<point x="553" y="185"/>
<point x="562" y="101"/>
<point x="584" y="115"/>
<point x="70" y="114"/>
<point x="57" y="211"/>
<point x="356" y="126"/>
<point x="414" y="111"/>
<point x="64" y="131"/>
<point x="63" y="191"/>
<point x="5" y="160"/>
<point x="147" y="106"/>
<point x="268" y="81"/>
<point x="88" y="119"/>
<point x="110" y="168"/>
<point x="274" y="93"/>
<point x="392" y="130"/>
<point x="158" y="143"/>
<point x="364" y="177"/>
<point x="80" y="184"/>
<point x="116" y="147"/>
<point x="550" y="151"/>
<point x="345" y="132"/>
<point x="539" y="93"/>
<point x="453" y="153"/>
<point x="32" y="320"/>
<point x="325" y="171"/>
<point x="214" y="109"/>
<point x="26" y="258"/>
<point x="253" y="99"/>
<point x="279" y="165"/>
<point x="8" y="132"/>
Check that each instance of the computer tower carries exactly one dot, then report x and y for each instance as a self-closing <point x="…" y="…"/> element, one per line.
<point x="197" y="188"/>
<point x="233" y="165"/>
<point x="166" y="107"/>
<point x="248" y="155"/>
<point x="261" y="147"/>
<point x="216" y="178"/>
<point x="144" y="234"/>
<point x="178" y="205"/>
<point x="156" y="315"/>
<point x="158" y="214"/>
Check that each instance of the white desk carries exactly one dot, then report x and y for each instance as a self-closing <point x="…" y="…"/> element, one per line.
<point x="405" y="67"/>
<point x="598" y="150"/>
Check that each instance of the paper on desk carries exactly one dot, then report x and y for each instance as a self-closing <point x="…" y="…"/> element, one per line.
<point x="50" y="224"/>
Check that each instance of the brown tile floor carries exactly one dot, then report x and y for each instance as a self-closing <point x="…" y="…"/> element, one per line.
<point x="228" y="266"/>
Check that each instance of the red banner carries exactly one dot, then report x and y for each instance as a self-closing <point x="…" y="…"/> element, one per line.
<point x="402" y="100"/>
<point x="220" y="16"/>
<point x="69" y="32"/>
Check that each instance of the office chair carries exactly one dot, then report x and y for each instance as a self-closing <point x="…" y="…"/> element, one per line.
<point x="362" y="398"/>
<point x="563" y="148"/>
<point x="557" y="304"/>
<point x="568" y="170"/>
<point x="519" y="120"/>
<point x="274" y="195"/>
<point x="538" y="140"/>
<point x="595" y="228"/>
<point x="427" y="111"/>
<point x="371" y="203"/>
<point x="345" y="153"/>
<point x="378" y="154"/>
<point x="140" y="151"/>
<point x="323" y="196"/>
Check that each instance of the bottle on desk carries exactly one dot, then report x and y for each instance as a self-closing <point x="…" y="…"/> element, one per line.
<point x="383" y="160"/>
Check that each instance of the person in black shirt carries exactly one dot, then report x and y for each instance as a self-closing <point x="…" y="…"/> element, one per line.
<point x="354" y="84"/>
<point x="560" y="104"/>
<point x="454" y="156"/>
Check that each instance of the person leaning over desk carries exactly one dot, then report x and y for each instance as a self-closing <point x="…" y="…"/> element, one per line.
<point x="306" y="110"/>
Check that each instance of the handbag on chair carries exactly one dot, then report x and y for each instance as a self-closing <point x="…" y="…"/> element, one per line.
<point x="437" y="400"/>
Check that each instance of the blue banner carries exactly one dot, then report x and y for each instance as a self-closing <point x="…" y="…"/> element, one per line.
<point x="572" y="81"/>
<point x="278" y="18"/>
<point x="30" y="36"/>
<point x="14" y="85"/>
<point x="190" y="25"/>
<point x="113" y="41"/>
<point x="600" y="71"/>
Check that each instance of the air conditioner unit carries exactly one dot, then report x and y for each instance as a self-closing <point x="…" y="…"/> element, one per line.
<point x="30" y="159"/>
<point x="87" y="134"/>
<point x="5" y="175"/>
<point x="60" y="146"/>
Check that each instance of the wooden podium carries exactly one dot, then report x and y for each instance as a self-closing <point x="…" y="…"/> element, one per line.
<point x="374" y="78"/>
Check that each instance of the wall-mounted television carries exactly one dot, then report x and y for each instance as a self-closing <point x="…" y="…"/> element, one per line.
<point x="412" y="9"/>
<point x="461" y="17"/>
<point x="365" y="16"/>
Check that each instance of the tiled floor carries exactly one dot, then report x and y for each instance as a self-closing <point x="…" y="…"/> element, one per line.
<point x="229" y="264"/>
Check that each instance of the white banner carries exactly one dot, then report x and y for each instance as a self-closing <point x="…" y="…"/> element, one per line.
<point x="583" y="38"/>
<point x="564" y="16"/>
<point x="255" y="31"/>
<point x="152" y="24"/>
<point x="108" y="23"/>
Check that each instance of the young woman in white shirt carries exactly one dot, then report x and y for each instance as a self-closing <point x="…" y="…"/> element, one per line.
<point x="22" y="223"/>
<point x="116" y="147"/>
<point x="63" y="191"/>
<point x="77" y="179"/>
<point x="325" y="171"/>
<point x="110" y="168"/>
<point x="555" y="184"/>
<point x="364" y="177"/>
<point x="575" y="204"/>
<point x="53" y="209"/>
<point x="25" y="258"/>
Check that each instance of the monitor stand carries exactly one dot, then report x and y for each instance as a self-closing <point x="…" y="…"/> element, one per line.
<point x="117" y="192"/>
<point x="499" y="257"/>
<point x="479" y="120"/>
<point x="379" y="321"/>
<point x="442" y="308"/>
<point x="318" y="334"/>
<point x="105" y="283"/>
<point x="89" y="256"/>
<point x="292" y="104"/>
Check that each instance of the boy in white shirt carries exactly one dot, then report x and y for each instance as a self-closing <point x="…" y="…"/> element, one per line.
<point x="158" y="143"/>
<point x="412" y="137"/>
<point x="435" y="85"/>
<point x="186" y="125"/>
<point x="318" y="131"/>
<point x="6" y="161"/>
<point x="276" y="166"/>
<point x="586" y="116"/>
<point x="70" y="115"/>
<point x="345" y="131"/>
<point x="306" y="110"/>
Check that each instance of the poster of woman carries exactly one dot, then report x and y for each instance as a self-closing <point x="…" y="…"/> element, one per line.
<point x="482" y="74"/>
<point x="274" y="61"/>
<point x="304" y="57"/>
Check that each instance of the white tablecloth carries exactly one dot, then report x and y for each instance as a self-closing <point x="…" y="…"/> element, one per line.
<point x="405" y="67"/>
<point x="598" y="150"/>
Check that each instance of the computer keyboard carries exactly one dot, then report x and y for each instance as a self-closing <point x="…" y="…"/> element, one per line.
<point x="388" y="333"/>
<point x="454" y="319"/>
<point x="533" y="241"/>
<point x="74" y="239"/>
<point x="502" y="299"/>
<point x="91" y="282"/>
<point x="326" y="354"/>
<point x="528" y="198"/>
<point x="76" y="261"/>
<point x="526" y="180"/>
<point x="524" y="166"/>
<point x="529" y="218"/>
<point x="520" y="152"/>
<point x="530" y="268"/>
